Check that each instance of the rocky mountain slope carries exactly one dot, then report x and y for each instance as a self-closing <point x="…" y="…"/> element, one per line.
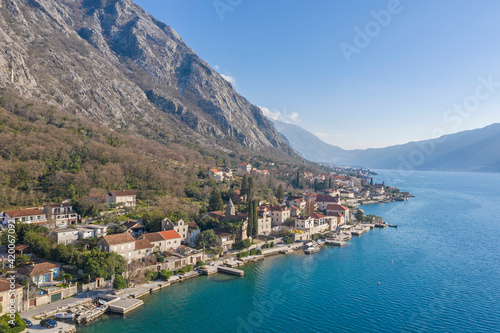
<point x="111" y="61"/>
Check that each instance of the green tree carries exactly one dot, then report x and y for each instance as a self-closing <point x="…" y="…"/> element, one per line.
<point x="360" y="216"/>
<point x="280" y="194"/>
<point x="120" y="282"/>
<point x="215" y="203"/>
<point x="297" y="179"/>
<point x="166" y="275"/>
<point x="244" y="244"/>
<point x="19" y="324"/>
<point x="207" y="238"/>
<point x="371" y="181"/>
<point x="200" y="263"/>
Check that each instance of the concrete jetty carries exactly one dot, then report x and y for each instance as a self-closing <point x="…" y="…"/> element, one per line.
<point x="125" y="305"/>
<point x="230" y="270"/>
<point x="335" y="242"/>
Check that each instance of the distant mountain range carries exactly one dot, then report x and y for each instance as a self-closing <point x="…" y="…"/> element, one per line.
<point x="474" y="150"/>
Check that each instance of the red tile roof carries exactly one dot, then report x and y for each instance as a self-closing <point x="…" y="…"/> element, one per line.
<point x="119" y="238"/>
<point x="170" y="234"/>
<point x="5" y="285"/>
<point x="141" y="244"/>
<point x="37" y="269"/>
<point x="153" y="237"/>
<point x="192" y="225"/>
<point x="336" y="207"/>
<point x="123" y="193"/>
<point x="317" y="216"/>
<point x="23" y="212"/>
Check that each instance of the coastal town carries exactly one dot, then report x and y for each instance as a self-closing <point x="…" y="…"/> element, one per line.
<point x="62" y="268"/>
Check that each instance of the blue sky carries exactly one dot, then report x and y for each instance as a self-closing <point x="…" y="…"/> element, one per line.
<point x="422" y="69"/>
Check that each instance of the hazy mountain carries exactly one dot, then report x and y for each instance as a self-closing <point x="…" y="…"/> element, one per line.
<point x="113" y="62"/>
<point x="474" y="150"/>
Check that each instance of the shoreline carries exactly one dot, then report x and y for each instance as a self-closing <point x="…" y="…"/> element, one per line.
<point x="148" y="288"/>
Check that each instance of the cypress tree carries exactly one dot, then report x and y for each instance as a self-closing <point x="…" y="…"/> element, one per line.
<point x="215" y="203"/>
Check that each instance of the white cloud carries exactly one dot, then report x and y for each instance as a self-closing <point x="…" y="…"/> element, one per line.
<point x="270" y="114"/>
<point x="216" y="67"/>
<point x="321" y="134"/>
<point x="294" y="117"/>
<point x="229" y="79"/>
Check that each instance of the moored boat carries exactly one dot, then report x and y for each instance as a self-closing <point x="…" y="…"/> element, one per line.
<point x="65" y="315"/>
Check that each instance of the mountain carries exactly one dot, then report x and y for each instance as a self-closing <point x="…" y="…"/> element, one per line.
<point x="308" y="144"/>
<point x="112" y="62"/>
<point x="474" y="150"/>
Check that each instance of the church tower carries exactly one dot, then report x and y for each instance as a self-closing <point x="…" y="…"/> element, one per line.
<point x="230" y="209"/>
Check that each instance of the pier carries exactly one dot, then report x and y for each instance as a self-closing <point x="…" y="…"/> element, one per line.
<point x="335" y="242"/>
<point x="230" y="270"/>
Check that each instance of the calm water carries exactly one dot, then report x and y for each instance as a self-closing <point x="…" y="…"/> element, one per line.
<point x="448" y="234"/>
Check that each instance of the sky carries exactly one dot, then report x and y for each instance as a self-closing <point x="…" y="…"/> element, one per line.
<point x="358" y="74"/>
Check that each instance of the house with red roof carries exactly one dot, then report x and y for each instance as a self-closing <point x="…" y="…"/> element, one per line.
<point x="324" y="200"/>
<point x="11" y="296"/>
<point x="172" y="239"/>
<point x="244" y="168"/>
<point x="39" y="273"/>
<point x="30" y="215"/>
<point x="216" y="175"/>
<point x="124" y="198"/>
<point x="337" y="208"/>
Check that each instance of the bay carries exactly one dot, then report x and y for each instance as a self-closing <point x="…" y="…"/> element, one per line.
<point x="439" y="271"/>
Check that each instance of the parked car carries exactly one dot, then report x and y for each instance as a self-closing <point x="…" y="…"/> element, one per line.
<point x="49" y="323"/>
<point x="28" y="322"/>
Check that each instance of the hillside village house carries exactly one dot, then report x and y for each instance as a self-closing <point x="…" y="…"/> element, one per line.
<point x="228" y="173"/>
<point x="164" y="240"/>
<point x="279" y="214"/>
<point x="324" y="200"/>
<point x="123" y="244"/>
<point x="39" y="273"/>
<point x="335" y="208"/>
<point x="156" y="240"/>
<point x="134" y="228"/>
<point x="227" y="239"/>
<point x="180" y="226"/>
<point x="172" y="239"/>
<point x="143" y="249"/>
<point x="244" y="168"/>
<point x="7" y="298"/>
<point x="61" y="214"/>
<point x="216" y="175"/>
<point x="92" y="230"/>
<point x="30" y="215"/>
<point x="122" y="198"/>
<point x="264" y="221"/>
<point x="66" y="236"/>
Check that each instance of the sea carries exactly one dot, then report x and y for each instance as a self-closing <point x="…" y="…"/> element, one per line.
<point x="439" y="271"/>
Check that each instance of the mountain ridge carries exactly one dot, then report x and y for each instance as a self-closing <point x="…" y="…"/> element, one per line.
<point x="470" y="150"/>
<point x="111" y="61"/>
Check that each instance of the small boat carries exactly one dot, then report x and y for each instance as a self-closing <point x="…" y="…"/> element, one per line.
<point x="102" y="302"/>
<point x="311" y="250"/>
<point x="393" y="225"/>
<point x="65" y="315"/>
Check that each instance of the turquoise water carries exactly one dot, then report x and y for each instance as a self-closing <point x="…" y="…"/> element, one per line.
<point x="448" y="234"/>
